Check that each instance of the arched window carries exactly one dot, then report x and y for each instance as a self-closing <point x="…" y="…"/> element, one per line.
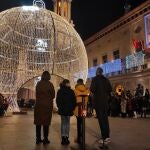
<point x="65" y="9"/>
<point x="59" y="7"/>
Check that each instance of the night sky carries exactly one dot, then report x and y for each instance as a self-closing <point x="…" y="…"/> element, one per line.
<point x="89" y="16"/>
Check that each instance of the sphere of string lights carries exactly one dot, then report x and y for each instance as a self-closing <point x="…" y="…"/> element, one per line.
<point x="33" y="40"/>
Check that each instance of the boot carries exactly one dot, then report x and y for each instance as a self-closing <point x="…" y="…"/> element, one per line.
<point x="63" y="142"/>
<point x="38" y="134"/>
<point x="46" y="131"/>
<point x="38" y="141"/>
<point x="67" y="140"/>
<point x="46" y="141"/>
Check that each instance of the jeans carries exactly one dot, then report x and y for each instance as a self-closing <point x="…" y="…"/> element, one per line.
<point x="65" y="126"/>
<point x="103" y="122"/>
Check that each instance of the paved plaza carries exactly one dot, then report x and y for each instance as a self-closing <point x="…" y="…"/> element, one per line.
<point x="17" y="133"/>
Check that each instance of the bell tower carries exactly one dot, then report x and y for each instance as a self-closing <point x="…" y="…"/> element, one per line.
<point x="63" y="8"/>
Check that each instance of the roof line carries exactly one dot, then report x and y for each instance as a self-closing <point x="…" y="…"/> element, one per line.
<point x="133" y="14"/>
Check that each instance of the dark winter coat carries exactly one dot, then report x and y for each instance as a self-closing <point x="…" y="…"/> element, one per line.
<point x="45" y="94"/>
<point x="66" y="101"/>
<point x="101" y="89"/>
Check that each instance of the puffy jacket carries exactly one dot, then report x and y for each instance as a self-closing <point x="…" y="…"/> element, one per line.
<point x="80" y="90"/>
<point x="66" y="101"/>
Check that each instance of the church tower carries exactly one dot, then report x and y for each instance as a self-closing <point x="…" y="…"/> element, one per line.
<point x="63" y="8"/>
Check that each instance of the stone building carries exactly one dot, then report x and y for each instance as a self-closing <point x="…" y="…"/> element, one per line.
<point x="122" y="49"/>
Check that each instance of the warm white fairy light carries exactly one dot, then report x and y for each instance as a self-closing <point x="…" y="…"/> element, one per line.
<point x="30" y="8"/>
<point x="33" y="40"/>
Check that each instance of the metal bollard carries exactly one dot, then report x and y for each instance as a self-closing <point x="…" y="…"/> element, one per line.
<point x="83" y="121"/>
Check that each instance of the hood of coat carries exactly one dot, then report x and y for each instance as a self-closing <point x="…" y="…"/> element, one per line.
<point x="81" y="88"/>
<point x="65" y="89"/>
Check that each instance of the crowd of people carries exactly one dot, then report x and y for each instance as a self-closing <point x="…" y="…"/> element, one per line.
<point x="130" y="105"/>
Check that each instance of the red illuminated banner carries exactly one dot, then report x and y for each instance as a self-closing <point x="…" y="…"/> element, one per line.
<point x="138" y="44"/>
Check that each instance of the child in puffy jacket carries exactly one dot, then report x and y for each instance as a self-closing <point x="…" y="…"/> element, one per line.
<point x="80" y="90"/>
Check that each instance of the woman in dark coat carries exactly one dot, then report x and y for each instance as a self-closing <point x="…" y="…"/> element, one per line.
<point x="45" y="94"/>
<point x="66" y="102"/>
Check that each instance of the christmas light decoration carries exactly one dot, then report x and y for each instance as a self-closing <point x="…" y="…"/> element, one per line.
<point x="110" y="67"/>
<point x="135" y="60"/>
<point x="32" y="40"/>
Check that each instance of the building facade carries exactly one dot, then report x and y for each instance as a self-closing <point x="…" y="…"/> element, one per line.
<point x="122" y="49"/>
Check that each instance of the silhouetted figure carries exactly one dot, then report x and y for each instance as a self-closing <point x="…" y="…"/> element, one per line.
<point x="129" y="104"/>
<point x="123" y="105"/>
<point x="139" y="97"/>
<point x="66" y="102"/>
<point x="101" y="89"/>
<point x="45" y="94"/>
<point x="145" y="103"/>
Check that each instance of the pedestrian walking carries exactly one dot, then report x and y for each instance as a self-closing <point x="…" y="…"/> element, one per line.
<point x="101" y="89"/>
<point x="45" y="94"/>
<point x="66" y="102"/>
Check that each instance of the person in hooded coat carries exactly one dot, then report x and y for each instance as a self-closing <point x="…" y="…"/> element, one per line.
<point x="101" y="90"/>
<point x="66" y="102"/>
<point x="45" y="94"/>
<point x="80" y="90"/>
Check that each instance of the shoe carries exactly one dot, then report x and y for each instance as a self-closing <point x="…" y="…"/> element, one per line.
<point x="67" y="141"/>
<point x="38" y="141"/>
<point x="63" y="142"/>
<point x="46" y="141"/>
<point x="105" y="141"/>
<point x="108" y="140"/>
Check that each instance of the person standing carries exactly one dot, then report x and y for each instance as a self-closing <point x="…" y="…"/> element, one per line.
<point x="129" y="104"/>
<point x="139" y="97"/>
<point x="80" y="90"/>
<point x="123" y="105"/>
<point x="145" y="103"/>
<point x="101" y="90"/>
<point x="66" y="102"/>
<point x="45" y="94"/>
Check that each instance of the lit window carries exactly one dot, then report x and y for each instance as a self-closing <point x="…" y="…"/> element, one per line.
<point x="59" y="7"/>
<point x="65" y="9"/>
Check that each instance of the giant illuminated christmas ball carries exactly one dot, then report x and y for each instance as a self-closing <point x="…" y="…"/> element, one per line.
<point x="32" y="40"/>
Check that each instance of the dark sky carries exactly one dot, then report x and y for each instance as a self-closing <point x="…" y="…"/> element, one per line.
<point x="89" y="16"/>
